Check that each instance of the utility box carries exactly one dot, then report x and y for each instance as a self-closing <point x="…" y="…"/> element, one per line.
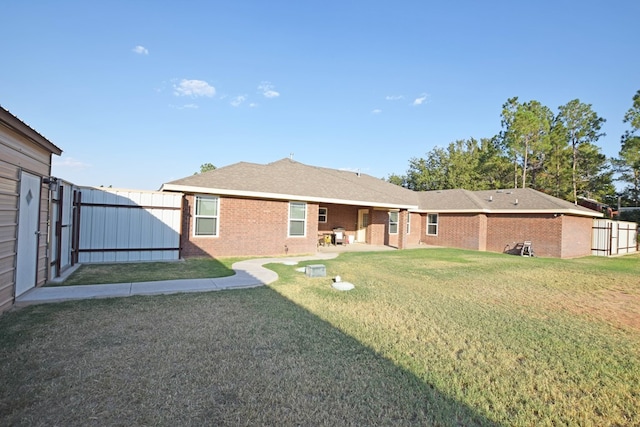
<point x="315" y="270"/>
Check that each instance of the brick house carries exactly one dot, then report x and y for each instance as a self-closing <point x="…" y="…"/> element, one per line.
<point x="497" y="220"/>
<point x="287" y="207"/>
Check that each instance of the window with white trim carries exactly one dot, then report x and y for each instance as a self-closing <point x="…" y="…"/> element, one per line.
<point x="393" y="222"/>
<point x="432" y="224"/>
<point x="297" y="219"/>
<point x="206" y="216"/>
<point x="322" y="215"/>
<point x="408" y="222"/>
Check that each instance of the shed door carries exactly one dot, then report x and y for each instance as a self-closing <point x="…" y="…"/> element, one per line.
<point x="28" y="233"/>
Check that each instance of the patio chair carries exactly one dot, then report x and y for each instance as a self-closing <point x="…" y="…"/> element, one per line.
<point x="339" y="236"/>
<point x="526" y="249"/>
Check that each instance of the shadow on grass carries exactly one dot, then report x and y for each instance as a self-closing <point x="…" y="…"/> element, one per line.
<point x="244" y="357"/>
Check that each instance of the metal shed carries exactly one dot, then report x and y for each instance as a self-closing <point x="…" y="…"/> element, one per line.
<point x="25" y="169"/>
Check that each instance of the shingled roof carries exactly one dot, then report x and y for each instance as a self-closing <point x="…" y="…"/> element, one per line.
<point x="287" y="179"/>
<point x="519" y="200"/>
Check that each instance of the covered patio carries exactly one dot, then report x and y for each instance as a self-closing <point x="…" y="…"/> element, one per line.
<point x="365" y="247"/>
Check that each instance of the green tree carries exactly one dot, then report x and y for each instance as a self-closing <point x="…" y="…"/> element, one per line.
<point x="594" y="177"/>
<point x="469" y="164"/>
<point x="628" y="166"/>
<point x="400" y="180"/>
<point x="525" y="137"/>
<point x="582" y="126"/>
<point x="632" y="116"/>
<point x="556" y="178"/>
<point x="628" y="162"/>
<point x="427" y="174"/>
<point x="494" y="166"/>
<point x="206" y="167"/>
<point x="461" y="165"/>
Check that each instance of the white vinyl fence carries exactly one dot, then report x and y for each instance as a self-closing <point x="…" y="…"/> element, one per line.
<point x="613" y="237"/>
<point x="126" y="225"/>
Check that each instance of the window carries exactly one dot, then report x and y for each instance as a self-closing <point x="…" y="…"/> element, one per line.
<point x="206" y="217"/>
<point x="408" y="222"/>
<point x="322" y="214"/>
<point x="297" y="219"/>
<point x="432" y="224"/>
<point x="393" y="222"/>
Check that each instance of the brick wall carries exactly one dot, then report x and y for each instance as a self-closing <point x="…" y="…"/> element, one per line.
<point x="558" y="236"/>
<point x="458" y="231"/>
<point x="416" y="230"/>
<point x="377" y="234"/>
<point x="576" y="236"/>
<point x="340" y="216"/>
<point x="259" y="227"/>
<point x="249" y="227"/>
<point x="543" y="230"/>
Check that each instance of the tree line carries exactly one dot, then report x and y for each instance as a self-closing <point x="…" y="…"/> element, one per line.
<point x="551" y="152"/>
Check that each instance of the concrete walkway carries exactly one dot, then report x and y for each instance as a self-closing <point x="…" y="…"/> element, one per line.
<point x="249" y="274"/>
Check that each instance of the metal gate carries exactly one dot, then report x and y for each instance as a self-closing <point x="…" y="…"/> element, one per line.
<point x="98" y="225"/>
<point x="614" y="237"/>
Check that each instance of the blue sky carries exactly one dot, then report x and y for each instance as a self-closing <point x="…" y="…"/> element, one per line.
<point x="139" y="93"/>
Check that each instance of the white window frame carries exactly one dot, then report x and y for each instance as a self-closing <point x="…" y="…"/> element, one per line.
<point x="292" y="220"/>
<point x="396" y="222"/>
<point x="321" y="215"/>
<point x="408" y="223"/>
<point x="434" y="224"/>
<point x="197" y="216"/>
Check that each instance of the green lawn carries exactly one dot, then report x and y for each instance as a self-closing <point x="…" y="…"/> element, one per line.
<point x="192" y="268"/>
<point x="427" y="337"/>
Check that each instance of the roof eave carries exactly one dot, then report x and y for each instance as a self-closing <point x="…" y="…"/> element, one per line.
<point x="28" y="132"/>
<point x="281" y="196"/>
<point x="574" y="212"/>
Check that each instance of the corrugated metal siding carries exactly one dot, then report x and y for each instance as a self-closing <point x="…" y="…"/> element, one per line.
<point x="613" y="237"/>
<point x="128" y="225"/>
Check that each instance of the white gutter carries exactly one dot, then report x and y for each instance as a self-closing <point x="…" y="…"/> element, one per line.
<point x="278" y="196"/>
<point x="515" y="211"/>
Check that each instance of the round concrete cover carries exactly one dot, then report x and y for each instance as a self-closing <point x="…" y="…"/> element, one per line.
<point x="343" y="286"/>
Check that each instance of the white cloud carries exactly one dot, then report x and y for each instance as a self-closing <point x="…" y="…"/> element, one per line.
<point x="253" y="105"/>
<point x="238" y="100"/>
<point x="376" y="111"/>
<point x="267" y="90"/>
<point x="420" y="100"/>
<point x="193" y="88"/>
<point x="185" y="106"/>
<point x="69" y="162"/>
<point x="140" y="50"/>
<point x="393" y="97"/>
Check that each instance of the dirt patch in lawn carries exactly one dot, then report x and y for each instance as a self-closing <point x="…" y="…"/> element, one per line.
<point x="616" y="307"/>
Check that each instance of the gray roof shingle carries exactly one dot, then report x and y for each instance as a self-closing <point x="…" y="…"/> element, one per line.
<point x="511" y="200"/>
<point x="288" y="179"/>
